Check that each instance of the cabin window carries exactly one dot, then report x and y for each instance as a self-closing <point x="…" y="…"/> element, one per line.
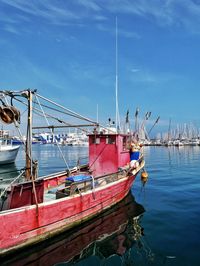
<point x="110" y="140"/>
<point x="126" y="143"/>
<point x="95" y="140"/>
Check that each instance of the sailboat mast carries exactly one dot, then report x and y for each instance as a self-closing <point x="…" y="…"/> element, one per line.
<point x="29" y="138"/>
<point x="169" y="130"/>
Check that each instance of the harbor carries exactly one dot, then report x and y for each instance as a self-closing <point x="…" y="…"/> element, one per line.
<point x="144" y="230"/>
<point x="170" y="224"/>
<point x="99" y="133"/>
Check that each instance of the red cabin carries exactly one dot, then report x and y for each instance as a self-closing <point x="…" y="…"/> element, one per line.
<point x="108" y="152"/>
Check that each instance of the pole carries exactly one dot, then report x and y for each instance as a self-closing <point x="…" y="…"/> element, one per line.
<point x="154" y="125"/>
<point x="116" y="77"/>
<point x="28" y="173"/>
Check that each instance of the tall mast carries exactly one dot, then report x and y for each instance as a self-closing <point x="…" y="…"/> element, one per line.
<point x="97" y="113"/>
<point x="29" y="137"/>
<point x="117" y="120"/>
<point x="136" y="120"/>
<point x="169" y="130"/>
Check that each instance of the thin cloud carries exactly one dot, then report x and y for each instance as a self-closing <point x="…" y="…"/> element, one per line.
<point x="121" y="32"/>
<point x="135" y="70"/>
<point x="43" y="9"/>
<point x="92" y="5"/>
<point x="7" y="19"/>
<point x="167" y="13"/>
<point x="142" y="76"/>
<point x="11" y="29"/>
<point x="160" y="10"/>
<point x="190" y="16"/>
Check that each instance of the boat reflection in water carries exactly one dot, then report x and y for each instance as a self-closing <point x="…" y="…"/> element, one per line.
<point x="113" y="232"/>
<point x="7" y="174"/>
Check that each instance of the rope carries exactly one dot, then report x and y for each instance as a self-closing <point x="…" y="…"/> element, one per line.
<point x="93" y="187"/>
<point x="99" y="154"/>
<point x="41" y="114"/>
<point x="35" y="194"/>
<point x="68" y="110"/>
<point x="52" y="133"/>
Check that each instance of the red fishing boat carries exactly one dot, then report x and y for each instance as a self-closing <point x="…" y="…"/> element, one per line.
<point x="111" y="233"/>
<point x="36" y="208"/>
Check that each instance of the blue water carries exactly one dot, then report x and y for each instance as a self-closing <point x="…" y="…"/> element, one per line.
<point x="171" y="199"/>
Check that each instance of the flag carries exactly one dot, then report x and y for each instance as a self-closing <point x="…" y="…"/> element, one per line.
<point x="136" y="112"/>
<point x="147" y="115"/>
<point x="127" y="116"/>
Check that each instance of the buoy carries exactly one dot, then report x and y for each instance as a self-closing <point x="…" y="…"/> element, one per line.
<point x="144" y="177"/>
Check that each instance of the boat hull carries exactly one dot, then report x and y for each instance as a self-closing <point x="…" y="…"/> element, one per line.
<point x="8" y="154"/>
<point x="72" y="245"/>
<point x="27" y="225"/>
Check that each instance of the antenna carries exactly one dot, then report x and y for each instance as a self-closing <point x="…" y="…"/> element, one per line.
<point x="97" y="113"/>
<point x="117" y="119"/>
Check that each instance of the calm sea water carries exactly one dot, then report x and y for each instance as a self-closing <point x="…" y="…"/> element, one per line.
<point x="166" y="233"/>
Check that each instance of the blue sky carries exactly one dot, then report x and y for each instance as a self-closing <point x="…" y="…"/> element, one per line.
<point x="66" y="50"/>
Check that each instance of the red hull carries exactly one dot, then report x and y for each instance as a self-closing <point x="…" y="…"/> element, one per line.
<point x="70" y="245"/>
<point x="55" y="216"/>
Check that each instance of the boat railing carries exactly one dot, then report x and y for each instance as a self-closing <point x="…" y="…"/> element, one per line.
<point x="77" y="187"/>
<point x="5" y="142"/>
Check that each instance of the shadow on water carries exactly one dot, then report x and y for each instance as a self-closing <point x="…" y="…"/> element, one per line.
<point x="7" y="173"/>
<point x="112" y="233"/>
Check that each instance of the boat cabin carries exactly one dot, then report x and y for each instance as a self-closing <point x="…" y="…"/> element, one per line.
<point x="108" y="152"/>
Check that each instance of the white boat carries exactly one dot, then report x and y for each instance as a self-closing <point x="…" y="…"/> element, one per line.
<point x="8" y="152"/>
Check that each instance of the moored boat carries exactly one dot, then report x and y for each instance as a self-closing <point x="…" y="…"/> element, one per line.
<point x="8" y="152"/>
<point x="111" y="233"/>
<point x="36" y="208"/>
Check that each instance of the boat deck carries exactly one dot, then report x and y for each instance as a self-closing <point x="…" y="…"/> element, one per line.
<point x="69" y="188"/>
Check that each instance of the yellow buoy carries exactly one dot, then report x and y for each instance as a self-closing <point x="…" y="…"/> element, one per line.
<point x="144" y="177"/>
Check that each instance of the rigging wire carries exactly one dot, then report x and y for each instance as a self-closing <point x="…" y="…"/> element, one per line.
<point x="41" y="114"/>
<point x="57" y="110"/>
<point x="52" y="133"/>
<point x="68" y="110"/>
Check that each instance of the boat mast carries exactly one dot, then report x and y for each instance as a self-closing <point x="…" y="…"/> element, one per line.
<point x="117" y="120"/>
<point x="97" y="113"/>
<point x="28" y="173"/>
<point x="169" y="131"/>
